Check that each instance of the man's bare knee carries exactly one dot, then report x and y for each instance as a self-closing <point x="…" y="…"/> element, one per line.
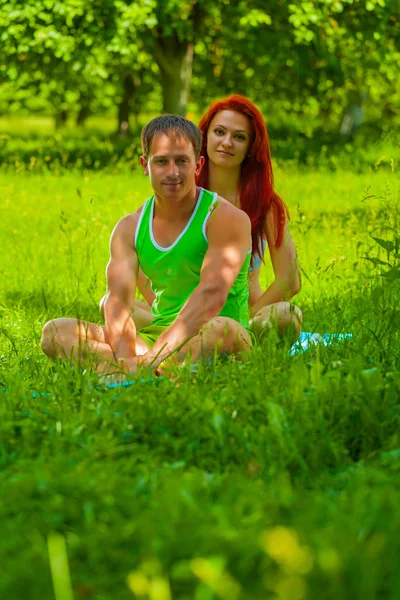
<point x="47" y="341"/>
<point x="227" y="335"/>
<point x="54" y="335"/>
<point x="102" y="303"/>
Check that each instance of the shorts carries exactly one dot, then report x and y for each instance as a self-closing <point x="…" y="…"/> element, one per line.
<point x="151" y="333"/>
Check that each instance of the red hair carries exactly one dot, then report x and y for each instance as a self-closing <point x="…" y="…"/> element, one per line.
<point x="257" y="195"/>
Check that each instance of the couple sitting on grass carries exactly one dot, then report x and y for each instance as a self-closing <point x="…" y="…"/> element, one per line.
<point x="194" y="254"/>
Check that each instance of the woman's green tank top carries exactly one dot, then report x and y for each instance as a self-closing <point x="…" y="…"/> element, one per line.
<point x="174" y="272"/>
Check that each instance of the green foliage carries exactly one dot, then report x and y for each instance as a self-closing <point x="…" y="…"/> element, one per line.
<point x="68" y="151"/>
<point x="59" y="40"/>
<point x="275" y="477"/>
<point x="307" y="58"/>
<point x="312" y="59"/>
<point x="71" y="54"/>
<point x="96" y="147"/>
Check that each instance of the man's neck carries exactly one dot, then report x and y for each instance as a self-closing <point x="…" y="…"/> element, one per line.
<point x="225" y="182"/>
<point x="172" y="210"/>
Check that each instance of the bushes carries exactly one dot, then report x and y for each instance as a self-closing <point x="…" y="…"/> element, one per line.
<point x="63" y="152"/>
<point x="93" y="149"/>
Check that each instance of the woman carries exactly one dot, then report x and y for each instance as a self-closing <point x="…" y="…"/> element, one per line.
<point x="238" y="167"/>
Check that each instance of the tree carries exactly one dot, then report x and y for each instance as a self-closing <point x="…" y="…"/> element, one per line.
<point x="304" y="59"/>
<point x="56" y="50"/>
<point x="167" y="34"/>
<point x="353" y="52"/>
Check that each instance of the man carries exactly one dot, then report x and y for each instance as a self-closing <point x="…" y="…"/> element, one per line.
<point x="195" y="249"/>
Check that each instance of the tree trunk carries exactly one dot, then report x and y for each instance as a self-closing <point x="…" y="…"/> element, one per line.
<point x="125" y="105"/>
<point x="175" y="61"/>
<point x="83" y="114"/>
<point x="61" y="118"/>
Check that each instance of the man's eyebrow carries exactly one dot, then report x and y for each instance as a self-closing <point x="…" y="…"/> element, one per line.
<point x="168" y="156"/>
<point x="235" y="130"/>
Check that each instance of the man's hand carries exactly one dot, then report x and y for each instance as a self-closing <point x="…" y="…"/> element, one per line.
<point x="125" y="349"/>
<point x="123" y="370"/>
<point x="136" y="364"/>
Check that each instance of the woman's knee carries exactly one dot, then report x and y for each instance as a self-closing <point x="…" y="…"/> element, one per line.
<point x="284" y="316"/>
<point x="291" y="321"/>
<point x="297" y="319"/>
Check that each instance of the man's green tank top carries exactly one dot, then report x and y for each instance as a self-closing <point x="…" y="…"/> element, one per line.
<point x="174" y="272"/>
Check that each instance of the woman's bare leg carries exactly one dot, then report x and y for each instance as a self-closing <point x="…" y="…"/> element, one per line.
<point x="286" y="317"/>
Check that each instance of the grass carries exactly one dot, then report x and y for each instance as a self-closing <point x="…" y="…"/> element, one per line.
<point x="278" y="478"/>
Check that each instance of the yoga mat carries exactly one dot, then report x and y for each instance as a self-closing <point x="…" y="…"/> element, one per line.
<point x="308" y="339"/>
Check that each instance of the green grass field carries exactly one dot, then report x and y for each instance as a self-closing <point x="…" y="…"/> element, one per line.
<point x="275" y="479"/>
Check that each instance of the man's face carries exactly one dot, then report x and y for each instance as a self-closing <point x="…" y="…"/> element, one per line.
<point x="171" y="166"/>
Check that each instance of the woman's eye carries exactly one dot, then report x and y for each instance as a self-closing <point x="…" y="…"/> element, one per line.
<point x="219" y="131"/>
<point x="241" y="138"/>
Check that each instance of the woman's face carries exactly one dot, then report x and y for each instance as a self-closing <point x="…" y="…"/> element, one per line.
<point x="228" y="138"/>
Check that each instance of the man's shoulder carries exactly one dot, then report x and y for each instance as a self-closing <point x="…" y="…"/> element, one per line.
<point x="228" y="222"/>
<point x="127" y="225"/>
<point x="224" y="211"/>
<point x="131" y="220"/>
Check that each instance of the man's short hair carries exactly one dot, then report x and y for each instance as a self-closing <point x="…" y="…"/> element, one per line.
<point x="171" y="124"/>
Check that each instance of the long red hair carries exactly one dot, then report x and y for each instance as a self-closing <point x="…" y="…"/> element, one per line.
<point x="257" y="195"/>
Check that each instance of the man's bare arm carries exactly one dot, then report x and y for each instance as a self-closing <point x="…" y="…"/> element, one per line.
<point x="229" y="238"/>
<point x="144" y="287"/>
<point x="121" y="279"/>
